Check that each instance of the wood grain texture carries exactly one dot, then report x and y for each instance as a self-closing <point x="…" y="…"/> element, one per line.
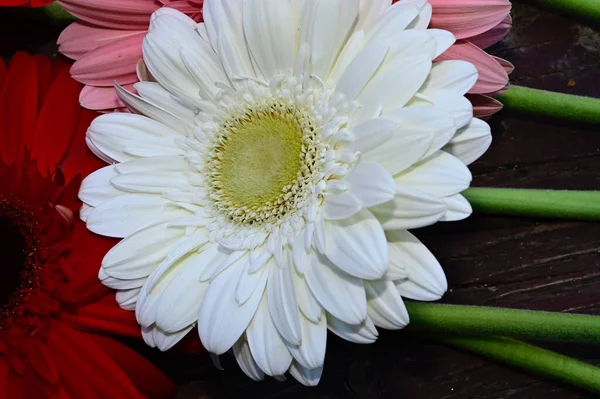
<point x="495" y="261"/>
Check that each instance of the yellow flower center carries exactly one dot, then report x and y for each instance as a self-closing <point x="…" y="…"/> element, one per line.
<point x="260" y="158"/>
<point x="261" y="162"/>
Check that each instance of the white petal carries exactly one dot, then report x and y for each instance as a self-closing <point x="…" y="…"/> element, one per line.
<point x="248" y="282"/>
<point x="386" y="308"/>
<point x="161" y="49"/>
<point x="357" y="245"/>
<point x="241" y="351"/>
<point x="113" y="133"/>
<point x="370" y="10"/>
<point x="308" y="304"/>
<point x="441" y="175"/>
<point x="425" y="13"/>
<point x="96" y="187"/>
<point x="437" y="123"/>
<point x="151" y="182"/>
<point x="270" y="29"/>
<point x="266" y="344"/>
<point x="299" y="254"/>
<point x="141" y="106"/>
<point x="326" y="24"/>
<point x="394" y="84"/>
<point x="393" y="21"/>
<point x="127" y="298"/>
<point x="371" y="184"/>
<point x="339" y="293"/>
<point x="120" y="284"/>
<point x="471" y="142"/>
<point x="455" y="103"/>
<point x="283" y="303"/>
<point x="426" y="279"/>
<point x="443" y="39"/>
<point x="307" y="377"/>
<point x="412" y="144"/>
<point x="181" y="299"/>
<point x="361" y="333"/>
<point x="455" y="75"/>
<point x="410" y="209"/>
<point x="165" y="341"/>
<point x="222" y="321"/>
<point x="361" y="69"/>
<point x="140" y="253"/>
<point x="154" y="93"/>
<point x="458" y="208"/>
<point x="123" y="215"/>
<point x="372" y="133"/>
<point x="341" y="206"/>
<point x="206" y="69"/>
<point x="311" y="353"/>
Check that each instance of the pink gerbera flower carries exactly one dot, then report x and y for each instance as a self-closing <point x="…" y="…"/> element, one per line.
<point x="107" y="43"/>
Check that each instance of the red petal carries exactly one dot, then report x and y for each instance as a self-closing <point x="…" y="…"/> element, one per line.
<point x="71" y="380"/>
<point x="149" y="379"/>
<point x="19" y="104"/>
<point x="79" y="160"/>
<point x="43" y="67"/>
<point x="104" y="316"/>
<point x="3" y="71"/>
<point x="484" y="106"/>
<point x="41" y="360"/>
<point x="4" y="371"/>
<point x="92" y="363"/>
<point x="57" y="121"/>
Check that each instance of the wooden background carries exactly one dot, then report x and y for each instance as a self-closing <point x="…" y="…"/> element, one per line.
<point x="496" y="261"/>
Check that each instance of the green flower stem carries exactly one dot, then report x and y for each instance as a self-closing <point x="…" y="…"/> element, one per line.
<point x="531" y="358"/>
<point x="586" y="9"/>
<point x="563" y="204"/>
<point x="524" y="324"/>
<point x="58" y="14"/>
<point x="551" y="104"/>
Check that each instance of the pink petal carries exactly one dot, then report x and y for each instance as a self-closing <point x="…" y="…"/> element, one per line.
<point x="114" y="61"/>
<point x="508" y="66"/>
<point x="117" y="14"/>
<point x="101" y="98"/>
<point x="494" y="35"/>
<point x="80" y="38"/>
<point x="467" y="18"/>
<point x="492" y="76"/>
<point x="185" y="7"/>
<point x="484" y="106"/>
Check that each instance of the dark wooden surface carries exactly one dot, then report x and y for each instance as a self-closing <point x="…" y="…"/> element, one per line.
<point x="496" y="261"/>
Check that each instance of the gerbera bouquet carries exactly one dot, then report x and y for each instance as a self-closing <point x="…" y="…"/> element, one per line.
<point x="263" y="163"/>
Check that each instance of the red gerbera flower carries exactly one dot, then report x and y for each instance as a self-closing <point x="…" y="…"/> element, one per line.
<point x="25" y="3"/>
<point x="51" y="302"/>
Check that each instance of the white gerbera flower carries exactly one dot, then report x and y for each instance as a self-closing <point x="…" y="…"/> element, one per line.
<point x="265" y="183"/>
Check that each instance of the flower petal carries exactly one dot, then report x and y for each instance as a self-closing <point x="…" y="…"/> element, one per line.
<point x="339" y="293"/>
<point x="222" y="321"/>
<point x="361" y="333"/>
<point x="270" y="29"/>
<point x="441" y="175"/>
<point x="266" y="344"/>
<point x="311" y="352"/>
<point x="241" y="351"/>
<point x="426" y="280"/>
<point x="283" y="302"/>
<point x="410" y="209"/>
<point x="470" y="142"/>
<point x="371" y="184"/>
<point x="307" y="377"/>
<point x="386" y="308"/>
<point x="357" y="245"/>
